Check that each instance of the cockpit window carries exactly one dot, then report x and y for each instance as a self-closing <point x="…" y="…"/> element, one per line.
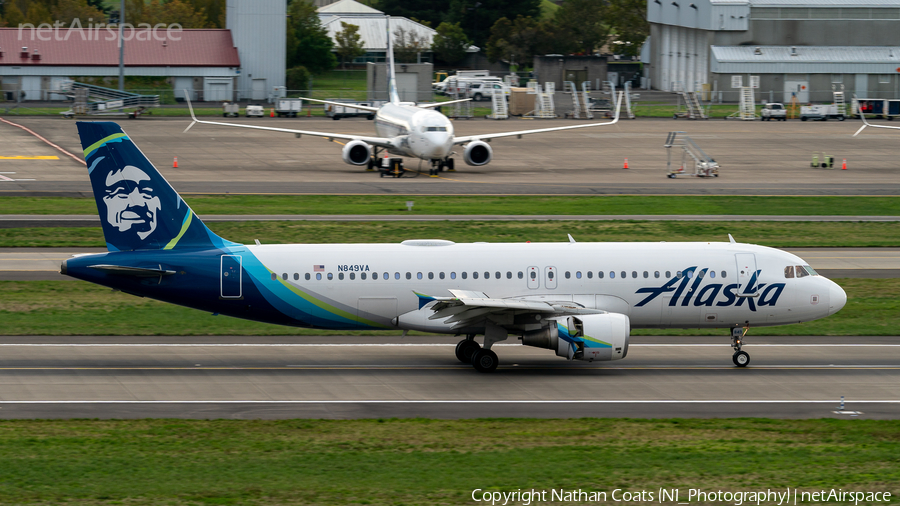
<point x="810" y="270"/>
<point x="801" y="271"/>
<point x="789" y="271"/>
<point x="435" y="129"/>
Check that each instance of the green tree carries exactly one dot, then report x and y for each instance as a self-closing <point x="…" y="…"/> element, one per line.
<point x="13" y="15"/>
<point x="477" y="17"/>
<point x="37" y="13"/>
<point x="308" y="43"/>
<point x="408" y="45"/>
<point x="518" y="41"/>
<point x="168" y="12"/>
<point x="297" y="78"/>
<point x="582" y="22"/>
<point x="68" y="10"/>
<point x="629" y="18"/>
<point x="419" y="10"/>
<point x="450" y="43"/>
<point x="349" y="43"/>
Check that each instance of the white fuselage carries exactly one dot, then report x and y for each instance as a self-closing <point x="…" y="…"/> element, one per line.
<point x="657" y="285"/>
<point x="417" y="132"/>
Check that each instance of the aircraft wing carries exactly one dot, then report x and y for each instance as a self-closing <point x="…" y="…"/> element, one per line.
<point x="866" y="123"/>
<point x="466" y="308"/>
<point x="383" y="142"/>
<point x="438" y="104"/>
<point x="520" y="133"/>
<point x="344" y="104"/>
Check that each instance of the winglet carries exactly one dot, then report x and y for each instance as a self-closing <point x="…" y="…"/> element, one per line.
<point x="393" y="95"/>
<point x="731" y="239"/>
<point x="618" y="107"/>
<point x="865" y="123"/>
<point x="187" y="97"/>
<point x="571" y="239"/>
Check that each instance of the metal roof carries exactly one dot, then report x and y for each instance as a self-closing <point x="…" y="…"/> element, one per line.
<point x="808" y="54"/>
<point x="824" y="3"/>
<point x="196" y="48"/>
<point x="372" y="30"/>
<point x="350" y="7"/>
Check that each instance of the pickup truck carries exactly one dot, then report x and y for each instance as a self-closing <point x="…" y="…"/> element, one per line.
<point x="821" y="112"/>
<point x="774" y="111"/>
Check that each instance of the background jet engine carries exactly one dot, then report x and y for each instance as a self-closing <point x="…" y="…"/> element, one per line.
<point x="589" y="337"/>
<point x="478" y="153"/>
<point x="356" y="153"/>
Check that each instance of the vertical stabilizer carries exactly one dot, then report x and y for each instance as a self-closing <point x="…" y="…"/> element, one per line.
<point x="138" y="208"/>
<point x="393" y="96"/>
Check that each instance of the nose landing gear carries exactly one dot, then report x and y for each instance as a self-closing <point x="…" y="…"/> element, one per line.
<point x="740" y="358"/>
<point x="438" y="166"/>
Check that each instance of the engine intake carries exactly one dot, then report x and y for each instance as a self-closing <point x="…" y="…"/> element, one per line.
<point x="356" y="153"/>
<point x="598" y="337"/>
<point x="478" y="153"/>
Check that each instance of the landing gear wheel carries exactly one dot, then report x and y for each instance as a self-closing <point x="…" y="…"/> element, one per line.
<point x="741" y="358"/>
<point x="485" y="360"/>
<point x="465" y="349"/>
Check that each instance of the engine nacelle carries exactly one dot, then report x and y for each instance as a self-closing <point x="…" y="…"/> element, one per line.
<point x="589" y="337"/>
<point x="478" y="153"/>
<point x="356" y="153"/>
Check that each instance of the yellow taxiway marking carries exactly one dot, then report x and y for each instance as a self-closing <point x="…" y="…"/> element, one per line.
<point x="51" y="157"/>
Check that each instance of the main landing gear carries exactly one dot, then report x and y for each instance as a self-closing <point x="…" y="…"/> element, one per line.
<point x="468" y="351"/>
<point x="438" y="166"/>
<point x="740" y="358"/>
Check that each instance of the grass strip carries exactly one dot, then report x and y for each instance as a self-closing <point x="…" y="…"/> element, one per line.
<point x="428" y="462"/>
<point x="775" y="234"/>
<point x="81" y="308"/>
<point x="512" y="205"/>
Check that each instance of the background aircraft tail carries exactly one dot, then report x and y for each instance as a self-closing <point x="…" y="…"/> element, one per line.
<point x="138" y="208"/>
<point x="393" y="96"/>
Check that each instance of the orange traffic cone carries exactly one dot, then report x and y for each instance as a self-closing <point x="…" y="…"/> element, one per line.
<point x="626" y="164"/>
<point x="844" y="165"/>
<point x="272" y="112"/>
<point x="175" y="163"/>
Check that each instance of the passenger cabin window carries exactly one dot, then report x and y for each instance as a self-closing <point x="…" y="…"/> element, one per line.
<point x="430" y="275"/>
<point x="330" y="276"/>
<point x="318" y="276"/>
<point x="306" y="276"/>
<point x="568" y="274"/>
<point x="341" y="276"/>
<point x="475" y="275"/>
<point x="669" y="274"/>
<point x="578" y="274"/>
<point x="723" y="274"/>
<point x="396" y="275"/>
<point x="789" y="271"/>
<point x="464" y="275"/>
<point x="284" y="276"/>
<point x="612" y="274"/>
<point x="624" y="274"/>
<point x="408" y="275"/>
<point x="508" y="274"/>
<point x="533" y="275"/>
<point x="452" y="275"/>
<point x="521" y="274"/>
<point x="599" y="274"/>
<point x="590" y="274"/>
<point x="712" y="274"/>
<point x="655" y="274"/>
<point x="352" y="276"/>
<point x="362" y="275"/>
<point x="274" y="276"/>
<point x="441" y="275"/>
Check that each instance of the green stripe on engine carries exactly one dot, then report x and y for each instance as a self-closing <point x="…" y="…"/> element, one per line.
<point x="184" y="227"/>
<point x="93" y="147"/>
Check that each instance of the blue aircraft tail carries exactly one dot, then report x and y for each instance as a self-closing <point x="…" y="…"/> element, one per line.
<point x="138" y="208"/>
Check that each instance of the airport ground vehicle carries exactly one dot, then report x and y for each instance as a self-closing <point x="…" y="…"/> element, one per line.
<point x="820" y="112"/>
<point x="255" y="111"/>
<point x="288" y="107"/>
<point x="773" y="110"/>
<point x="230" y="109"/>
<point x="484" y="90"/>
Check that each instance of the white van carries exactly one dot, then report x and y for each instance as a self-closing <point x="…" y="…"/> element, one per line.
<point x="484" y="90"/>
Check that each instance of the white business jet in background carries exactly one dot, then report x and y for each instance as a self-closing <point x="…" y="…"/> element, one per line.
<point x="408" y="129"/>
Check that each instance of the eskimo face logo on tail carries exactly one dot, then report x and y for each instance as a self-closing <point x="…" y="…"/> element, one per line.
<point x="686" y="290"/>
<point x="131" y="202"/>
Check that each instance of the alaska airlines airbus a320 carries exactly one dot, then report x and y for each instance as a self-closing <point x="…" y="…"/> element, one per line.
<point x="579" y="300"/>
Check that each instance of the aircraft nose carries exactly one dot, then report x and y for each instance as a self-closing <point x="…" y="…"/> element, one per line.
<point x="837" y="297"/>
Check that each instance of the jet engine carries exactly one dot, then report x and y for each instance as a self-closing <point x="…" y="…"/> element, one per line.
<point x="478" y="153"/>
<point x="588" y="337"/>
<point x="356" y="153"/>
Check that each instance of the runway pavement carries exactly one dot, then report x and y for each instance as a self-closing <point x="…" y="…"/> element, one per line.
<point x="31" y="264"/>
<point x="757" y="158"/>
<point x="358" y="377"/>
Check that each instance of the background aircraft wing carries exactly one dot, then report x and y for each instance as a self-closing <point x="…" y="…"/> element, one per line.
<point x="383" y="142"/>
<point x="466" y="308"/>
<point x="485" y="137"/>
<point x="866" y="123"/>
<point x="432" y="105"/>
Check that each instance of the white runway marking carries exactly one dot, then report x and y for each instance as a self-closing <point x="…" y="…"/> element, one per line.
<point x="399" y="345"/>
<point x="499" y="401"/>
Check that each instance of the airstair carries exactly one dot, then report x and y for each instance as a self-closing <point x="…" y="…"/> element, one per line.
<point x="629" y="112"/>
<point x="581" y="101"/>
<point x="747" y="108"/>
<point x="689" y="106"/>
<point x="839" y="100"/>
<point x="460" y="109"/>
<point x="704" y="165"/>
<point x="92" y="100"/>
<point x="499" y="105"/>
<point x="544" y="106"/>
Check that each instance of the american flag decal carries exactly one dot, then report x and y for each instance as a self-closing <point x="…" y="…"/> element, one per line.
<point x="318" y="268"/>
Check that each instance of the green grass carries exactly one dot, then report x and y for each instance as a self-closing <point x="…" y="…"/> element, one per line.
<point x="80" y="308"/>
<point x="429" y="462"/>
<point x="775" y="234"/>
<point x="455" y="205"/>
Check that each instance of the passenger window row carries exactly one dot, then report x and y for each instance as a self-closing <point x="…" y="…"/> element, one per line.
<point x="521" y="275"/>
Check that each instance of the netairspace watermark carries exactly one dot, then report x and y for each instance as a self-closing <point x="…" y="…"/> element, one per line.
<point x="691" y="496"/>
<point x="58" y="31"/>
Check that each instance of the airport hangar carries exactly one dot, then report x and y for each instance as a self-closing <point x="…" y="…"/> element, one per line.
<point x="794" y="46"/>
